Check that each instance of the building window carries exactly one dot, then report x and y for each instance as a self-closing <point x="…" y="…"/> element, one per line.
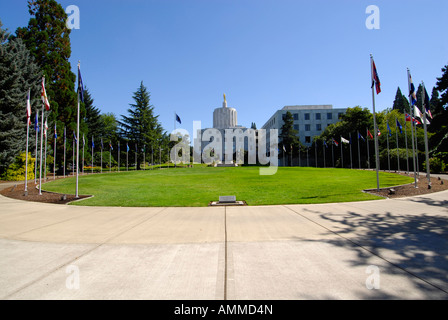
<point x="296" y="116"/>
<point x="307" y="116"/>
<point x="329" y="116"/>
<point x="318" y="116"/>
<point x="318" y="127"/>
<point x="296" y="127"/>
<point x="307" y="127"/>
<point x="307" y="139"/>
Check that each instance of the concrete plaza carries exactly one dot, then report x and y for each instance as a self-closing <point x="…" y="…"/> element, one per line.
<point x="385" y="249"/>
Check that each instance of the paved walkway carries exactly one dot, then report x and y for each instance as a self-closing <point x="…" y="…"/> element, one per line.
<point x="326" y="251"/>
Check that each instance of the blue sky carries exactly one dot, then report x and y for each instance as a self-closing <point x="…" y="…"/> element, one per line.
<point x="264" y="54"/>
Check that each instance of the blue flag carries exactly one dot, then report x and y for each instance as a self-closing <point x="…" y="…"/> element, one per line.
<point x="93" y="143"/>
<point x="390" y="131"/>
<point x="55" y="133"/>
<point x="360" y="136"/>
<point x="36" y="124"/>
<point x="399" y="126"/>
<point x="80" y="85"/>
<point x="110" y="145"/>
<point x="74" y="136"/>
<point x="178" y="119"/>
<point x="127" y="147"/>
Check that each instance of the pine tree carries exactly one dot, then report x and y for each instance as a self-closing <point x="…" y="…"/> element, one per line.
<point x="141" y="126"/>
<point x="92" y="118"/>
<point x="288" y="136"/>
<point x="48" y="39"/>
<point x="401" y="103"/>
<point x="18" y="74"/>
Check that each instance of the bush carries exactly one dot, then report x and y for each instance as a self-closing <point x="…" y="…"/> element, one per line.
<point x="16" y="170"/>
<point x="436" y="165"/>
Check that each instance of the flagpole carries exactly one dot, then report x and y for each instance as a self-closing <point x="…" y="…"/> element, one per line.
<point x="65" y="148"/>
<point x="396" y="137"/>
<point x="144" y="164"/>
<point x="315" y="151"/>
<point x="152" y="156"/>
<point x="307" y="157"/>
<point x="127" y="157"/>
<point x="368" y="148"/>
<point x="45" y="157"/>
<point x="342" y="155"/>
<point x="28" y="118"/>
<point x="83" y="154"/>
<point x="77" y="134"/>
<point x="351" y="157"/>
<point x="359" y="152"/>
<point x="406" y="144"/>
<point x="387" y="139"/>
<point x="332" y="151"/>
<point x="54" y="161"/>
<point x="375" y="129"/>
<point x="135" y="157"/>
<point x="428" y="173"/>
<point x="101" y="155"/>
<point x="110" y="158"/>
<point x="41" y="147"/>
<point x="37" y="143"/>
<point x="412" y="128"/>
<point x="118" y="156"/>
<point x="323" y="147"/>
<point x="74" y="157"/>
<point x="92" y="154"/>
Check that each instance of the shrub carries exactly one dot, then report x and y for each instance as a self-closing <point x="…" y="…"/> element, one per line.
<point x="436" y="165"/>
<point x="16" y="170"/>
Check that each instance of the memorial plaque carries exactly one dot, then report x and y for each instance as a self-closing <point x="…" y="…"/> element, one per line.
<point x="227" y="199"/>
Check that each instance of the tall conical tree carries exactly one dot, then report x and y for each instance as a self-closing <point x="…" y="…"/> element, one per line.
<point x="141" y="126"/>
<point x="48" y="39"/>
<point x="400" y="103"/>
<point x="18" y="74"/>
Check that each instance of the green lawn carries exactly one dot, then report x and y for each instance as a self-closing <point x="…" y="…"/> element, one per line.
<point x="196" y="187"/>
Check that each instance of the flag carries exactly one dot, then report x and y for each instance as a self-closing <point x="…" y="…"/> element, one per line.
<point x="412" y="94"/>
<point x="110" y="145"/>
<point x="80" y="84"/>
<point x="74" y="136"/>
<point x="335" y="142"/>
<point x="55" y="132"/>
<point x="36" y="123"/>
<point x="93" y="143"/>
<point x="360" y="136"/>
<point x="178" y="119"/>
<point x="44" y="96"/>
<point x="325" y="144"/>
<point x="399" y="126"/>
<point x="344" y="140"/>
<point x="28" y="109"/>
<point x="375" y="79"/>
<point x="419" y="114"/>
<point x="45" y="128"/>
<point x="127" y="147"/>
<point x="284" y="150"/>
<point x="427" y="105"/>
<point x="379" y="132"/>
<point x="388" y="129"/>
<point x="369" y="134"/>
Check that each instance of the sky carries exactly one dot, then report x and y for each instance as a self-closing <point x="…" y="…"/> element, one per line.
<point x="263" y="54"/>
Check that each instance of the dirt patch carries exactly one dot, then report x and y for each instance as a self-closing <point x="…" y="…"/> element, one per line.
<point x="410" y="189"/>
<point x="18" y="192"/>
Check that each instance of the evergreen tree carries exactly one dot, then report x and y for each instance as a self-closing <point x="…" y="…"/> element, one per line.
<point x="442" y="87"/>
<point x="401" y="102"/>
<point x="440" y="113"/>
<point x="141" y="126"/>
<point x="48" y="39"/>
<point x="288" y="135"/>
<point x="18" y="74"/>
<point x="253" y="126"/>
<point x="92" y="120"/>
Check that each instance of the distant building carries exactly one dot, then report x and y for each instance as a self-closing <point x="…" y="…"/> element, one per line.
<point x="309" y="121"/>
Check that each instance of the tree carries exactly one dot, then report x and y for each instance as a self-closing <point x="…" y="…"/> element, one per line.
<point x="18" y="74"/>
<point x="48" y="39"/>
<point x="440" y="113"/>
<point x="401" y="102"/>
<point x="141" y="126"/>
<point x="92" y="118"/>
<point x="288" y="135"/>
<point x="253" y="126"/>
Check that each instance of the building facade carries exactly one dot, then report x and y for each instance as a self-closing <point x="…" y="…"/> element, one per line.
<point x="309" y="120"/>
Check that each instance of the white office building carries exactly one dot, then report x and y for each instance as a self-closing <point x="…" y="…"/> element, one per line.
<point x="309" y="121"/>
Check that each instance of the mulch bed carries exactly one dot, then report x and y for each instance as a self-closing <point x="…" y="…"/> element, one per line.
<point x="409" y="190"/>
<point x="18" y="192"/>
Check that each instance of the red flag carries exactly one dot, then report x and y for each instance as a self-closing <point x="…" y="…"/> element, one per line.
<point x="44" y="96"/>
<point x="369" y="134"/>
<point x="375" y="79"/>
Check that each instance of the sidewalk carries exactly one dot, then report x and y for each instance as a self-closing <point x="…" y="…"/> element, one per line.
<point x="325" y="251"/>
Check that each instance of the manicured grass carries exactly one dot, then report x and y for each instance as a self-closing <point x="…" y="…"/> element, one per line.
<point x="196" y="187"/>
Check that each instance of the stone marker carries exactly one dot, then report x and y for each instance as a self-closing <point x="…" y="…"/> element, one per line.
<point x="227" y="199"/>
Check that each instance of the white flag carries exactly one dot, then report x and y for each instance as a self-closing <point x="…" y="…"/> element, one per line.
<point x="344" y="140"/>
<point x="419" y="114"/>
